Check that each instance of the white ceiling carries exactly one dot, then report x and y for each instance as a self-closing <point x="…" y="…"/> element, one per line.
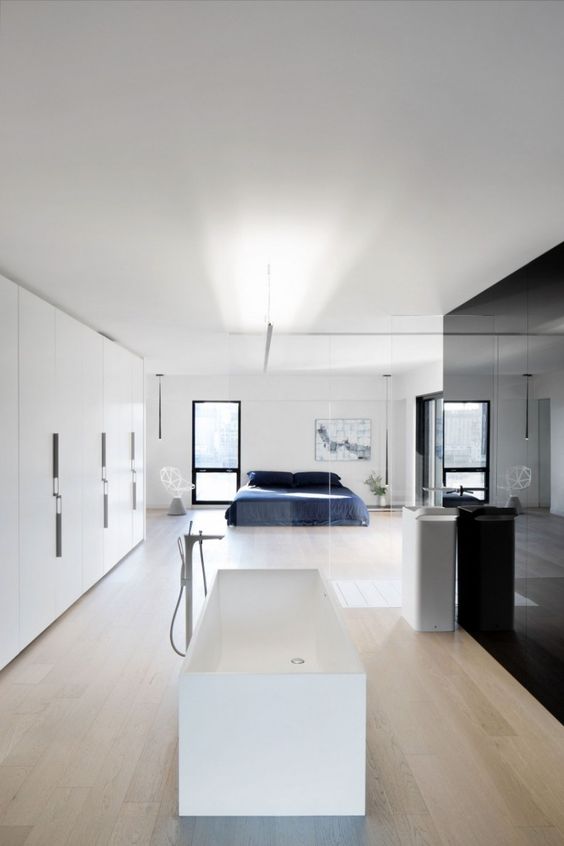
<point x="320" y="354"/>
<point x="384" y="157"/>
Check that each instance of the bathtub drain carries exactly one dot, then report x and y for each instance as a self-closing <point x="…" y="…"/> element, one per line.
<point x="297" y="661"/>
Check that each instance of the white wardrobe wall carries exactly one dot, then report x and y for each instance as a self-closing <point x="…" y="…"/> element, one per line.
<point x="123" y="427"/>
<point x="37" y="390"/>
<point x="92" y="485"/>
<point x="137" y="466"/>
<point x="68" y="421"/>
<point x="62" y="380"/>
<point x="9" y="568"/>
<point x="117" y="426"/>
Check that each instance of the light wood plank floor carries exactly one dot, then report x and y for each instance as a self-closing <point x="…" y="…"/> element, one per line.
<point x="458" y="752"/>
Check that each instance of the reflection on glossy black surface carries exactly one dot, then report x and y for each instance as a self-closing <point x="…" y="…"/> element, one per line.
<point x="507" y="346"/>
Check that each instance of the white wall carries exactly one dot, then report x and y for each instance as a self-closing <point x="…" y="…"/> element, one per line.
<point x="175" y="447"/>
<point x="278" y="416"/>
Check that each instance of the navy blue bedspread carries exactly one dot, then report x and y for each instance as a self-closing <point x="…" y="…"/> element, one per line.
<point x="309" y="506"/>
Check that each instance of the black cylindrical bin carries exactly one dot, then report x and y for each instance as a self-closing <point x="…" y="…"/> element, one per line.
<point x="486" y="568"/>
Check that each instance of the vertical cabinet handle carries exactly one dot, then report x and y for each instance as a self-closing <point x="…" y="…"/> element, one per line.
<point x="104" y="480"/>
<point x="59" y="526"/>
<point x="58" y="499"/>
<point x="106" y="521"/>
<point x="133" y="472"/>
<point x="55" y="463"/>
<point x="103" y="456"/>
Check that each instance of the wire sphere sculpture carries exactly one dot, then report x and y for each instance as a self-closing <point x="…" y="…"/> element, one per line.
<point x="519" y="477"/>
<point x="173" y="481"/>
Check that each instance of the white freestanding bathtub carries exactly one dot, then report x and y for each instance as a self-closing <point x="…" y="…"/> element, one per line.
<point x="259" y="732"/>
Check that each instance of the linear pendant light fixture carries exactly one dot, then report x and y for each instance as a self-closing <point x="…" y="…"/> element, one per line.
<point x="269" y="326"/>
<point x="527" y="376"/>
<point x="159" y="377"/>
<point x="269" y="329"/>
<point x="387" y="377"/>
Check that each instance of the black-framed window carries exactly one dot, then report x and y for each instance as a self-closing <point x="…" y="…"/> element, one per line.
<point x="466" y="450"/>
<point x="216" y="450"/>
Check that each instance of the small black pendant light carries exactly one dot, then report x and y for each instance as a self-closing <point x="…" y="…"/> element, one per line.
<point x="527" y="376"/>
<point x="159" y="377"/>
<point x="387" y="377"/>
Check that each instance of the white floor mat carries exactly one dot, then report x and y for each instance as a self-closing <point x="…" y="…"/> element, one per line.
<point x="379" y="593"/>
<point x="373" y="593"/>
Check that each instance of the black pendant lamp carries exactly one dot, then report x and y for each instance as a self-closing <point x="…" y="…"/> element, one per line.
<point x="387" y="377"/>
<point x="159" y="377"/>
<point x="527" y="376"/>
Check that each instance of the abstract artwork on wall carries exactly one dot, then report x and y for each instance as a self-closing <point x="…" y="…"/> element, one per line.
<point x="343" y="439"/>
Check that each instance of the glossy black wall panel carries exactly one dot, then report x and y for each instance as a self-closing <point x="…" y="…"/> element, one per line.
<point x="506" y="345"/>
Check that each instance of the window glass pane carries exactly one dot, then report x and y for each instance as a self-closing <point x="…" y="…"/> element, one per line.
<point x="438" y="441"/>
<point x="429" y="471"/>
<point x="216" y="434"/>
<point x="467" y="480"/>
<point x="429" y="467"/>
<point x="465" y="434"/>
<point x="215" y="487"/>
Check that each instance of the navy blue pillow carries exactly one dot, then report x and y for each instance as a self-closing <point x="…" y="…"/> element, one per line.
<point x="303" y="480"/>
<point x="270" y="479"/>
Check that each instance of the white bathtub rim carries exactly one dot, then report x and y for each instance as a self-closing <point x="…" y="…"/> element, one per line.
<point x="330" y="594"/>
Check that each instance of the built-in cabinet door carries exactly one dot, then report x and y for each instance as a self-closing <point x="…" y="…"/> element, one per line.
<point x="69" y="340"/>
<point x="124" y="457"/>
<point x="117" y="426"/>
<point x="9" y="564"/>
<point x="138" y="466"/>
<point x="38" y="505"/>
<point x="111" y="427"/>
<point x="62" y="386"/>
<point x="92" y="471"/>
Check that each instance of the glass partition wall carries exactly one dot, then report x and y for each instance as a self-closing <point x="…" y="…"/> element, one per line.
<point x="327" y="403"/>
<point x="342" y="405"/>
<point x="505" y="350"/>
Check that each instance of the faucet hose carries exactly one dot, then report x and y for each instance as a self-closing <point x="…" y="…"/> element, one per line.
<point x="182" y="577"/>
<point x="171" y="632"/>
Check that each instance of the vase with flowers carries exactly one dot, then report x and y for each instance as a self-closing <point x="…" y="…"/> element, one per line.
<point x="377" y="487"/>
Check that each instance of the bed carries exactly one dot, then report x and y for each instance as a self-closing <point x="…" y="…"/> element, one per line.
<point x="296" y="499"/>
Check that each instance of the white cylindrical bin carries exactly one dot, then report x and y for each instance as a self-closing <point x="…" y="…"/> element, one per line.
<point x="428" y="568"/>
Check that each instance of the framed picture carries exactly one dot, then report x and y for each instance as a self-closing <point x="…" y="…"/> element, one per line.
<point x="343" y="439"/>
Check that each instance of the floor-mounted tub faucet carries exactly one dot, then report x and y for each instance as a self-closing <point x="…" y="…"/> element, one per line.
<point x="186" y="579"/>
